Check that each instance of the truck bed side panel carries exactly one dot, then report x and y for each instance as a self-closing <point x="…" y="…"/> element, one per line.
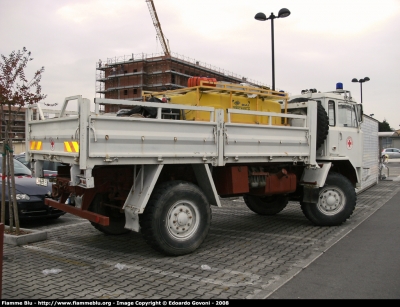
<point x="256" y="143"/>
<point x="136" y="137"/>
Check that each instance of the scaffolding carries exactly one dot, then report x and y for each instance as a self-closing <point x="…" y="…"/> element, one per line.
<point x="127" y="77"/>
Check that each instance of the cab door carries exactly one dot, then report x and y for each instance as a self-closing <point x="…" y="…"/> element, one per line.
<point x="333" y="136"/>
<point x="350" y="138"/>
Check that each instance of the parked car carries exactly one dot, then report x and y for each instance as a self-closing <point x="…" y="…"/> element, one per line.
<point x="393" y="153"/>
<point x="30" y="194"/>
<point x="49" y="167"/>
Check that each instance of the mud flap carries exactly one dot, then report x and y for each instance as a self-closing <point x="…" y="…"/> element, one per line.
<point x="312" y="179"/>
<point x="139" y="194"/>
<point x="315" y="176"/>
<point x="206" y="183"/>
<point x="310" y="194"/>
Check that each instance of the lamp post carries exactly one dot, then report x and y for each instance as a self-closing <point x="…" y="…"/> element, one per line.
<point x="361" y="81"/>
<point x="262" y="17"/>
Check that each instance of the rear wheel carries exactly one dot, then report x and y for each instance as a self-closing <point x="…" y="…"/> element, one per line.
<point x="116" y="217"/>
<point x="267" y="205"/>
<point x="177" y="218"/>
<point x="336" y="203"/>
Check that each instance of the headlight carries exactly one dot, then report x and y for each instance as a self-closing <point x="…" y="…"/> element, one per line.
<point x="22" y="197"/>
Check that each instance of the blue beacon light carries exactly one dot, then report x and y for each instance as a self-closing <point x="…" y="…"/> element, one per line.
<point x="339" y="86"/>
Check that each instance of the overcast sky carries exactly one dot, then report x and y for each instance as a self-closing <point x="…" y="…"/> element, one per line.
<point x="319" y="44"/>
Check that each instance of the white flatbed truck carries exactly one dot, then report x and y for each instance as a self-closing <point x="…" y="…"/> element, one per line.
<point x="159" y="176"/>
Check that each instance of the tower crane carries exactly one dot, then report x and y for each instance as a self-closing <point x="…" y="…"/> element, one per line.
<point x="157" y="25"/>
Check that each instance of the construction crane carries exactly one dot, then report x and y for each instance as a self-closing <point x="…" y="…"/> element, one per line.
<point x="157" y="25"/>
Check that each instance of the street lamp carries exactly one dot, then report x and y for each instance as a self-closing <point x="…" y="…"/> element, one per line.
<point x="261" y="17"/>
<point x="361" y="81"/>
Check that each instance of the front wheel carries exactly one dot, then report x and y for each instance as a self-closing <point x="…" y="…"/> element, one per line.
<point x="177" y="218"/>
<point x="336" y="203"/>
<point x="267" y="205"/>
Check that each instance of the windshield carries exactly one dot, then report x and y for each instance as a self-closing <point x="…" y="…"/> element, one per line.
<point x="347" y="115"/>
<point x="19" y="168"/>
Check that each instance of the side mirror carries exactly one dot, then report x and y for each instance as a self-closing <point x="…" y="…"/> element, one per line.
<point x="360" y="113"/>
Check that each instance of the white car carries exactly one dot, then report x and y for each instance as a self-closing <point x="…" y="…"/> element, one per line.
<point x="392" y="153"/>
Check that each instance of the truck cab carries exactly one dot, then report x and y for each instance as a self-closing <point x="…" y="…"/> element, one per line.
<point x="343" y="144"/>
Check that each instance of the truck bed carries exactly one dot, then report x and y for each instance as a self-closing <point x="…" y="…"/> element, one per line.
<point x="85" y="139"/>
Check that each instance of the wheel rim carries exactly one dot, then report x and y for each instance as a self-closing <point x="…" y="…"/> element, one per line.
<point x="182" y="221"/>
<point x="331" y="201"/>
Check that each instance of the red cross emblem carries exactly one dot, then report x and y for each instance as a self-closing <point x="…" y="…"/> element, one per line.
<point x="349" y="143"/>
<point x="52" y="144"/>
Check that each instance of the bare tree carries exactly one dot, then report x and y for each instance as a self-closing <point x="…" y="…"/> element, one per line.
<point x="15" y="92"/>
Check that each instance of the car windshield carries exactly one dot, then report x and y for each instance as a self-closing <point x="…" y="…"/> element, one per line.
<point x="19" y="168"/>
<point x="22" y="160"/>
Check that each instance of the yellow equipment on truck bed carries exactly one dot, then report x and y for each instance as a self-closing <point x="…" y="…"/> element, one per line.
<point x="222" y="95"/>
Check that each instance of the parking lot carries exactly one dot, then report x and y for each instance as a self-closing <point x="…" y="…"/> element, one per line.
<point x="245" y="256"/>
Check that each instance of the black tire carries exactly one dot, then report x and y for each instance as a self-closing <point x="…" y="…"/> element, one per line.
<point x="267" y="205"/>
<point x="173" y="203"/>
<point x="322" y="125"/>
<point x="322" y="122"/>
<point x="117" y="219"/>
<point x="337" y="201"/>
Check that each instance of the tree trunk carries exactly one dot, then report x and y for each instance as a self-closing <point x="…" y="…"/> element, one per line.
<point x="10" y="206"/>
<point x="3" y="185"/>
<point x="7" y="178"/>
<point x="12" y="198"/>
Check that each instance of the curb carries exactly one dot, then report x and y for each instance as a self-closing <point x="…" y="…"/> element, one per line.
<point x="32" y="236"/>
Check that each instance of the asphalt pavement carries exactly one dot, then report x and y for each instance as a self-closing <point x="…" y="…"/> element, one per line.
<point x="364" y="264"/>
<point x="245" y="256"/>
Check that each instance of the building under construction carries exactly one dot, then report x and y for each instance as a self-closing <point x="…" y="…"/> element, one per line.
<point x="17" y="134"/>
<point x="129" y="77"/>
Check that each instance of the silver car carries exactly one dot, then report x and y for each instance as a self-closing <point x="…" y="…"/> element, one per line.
<point x="393" y="153"/>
